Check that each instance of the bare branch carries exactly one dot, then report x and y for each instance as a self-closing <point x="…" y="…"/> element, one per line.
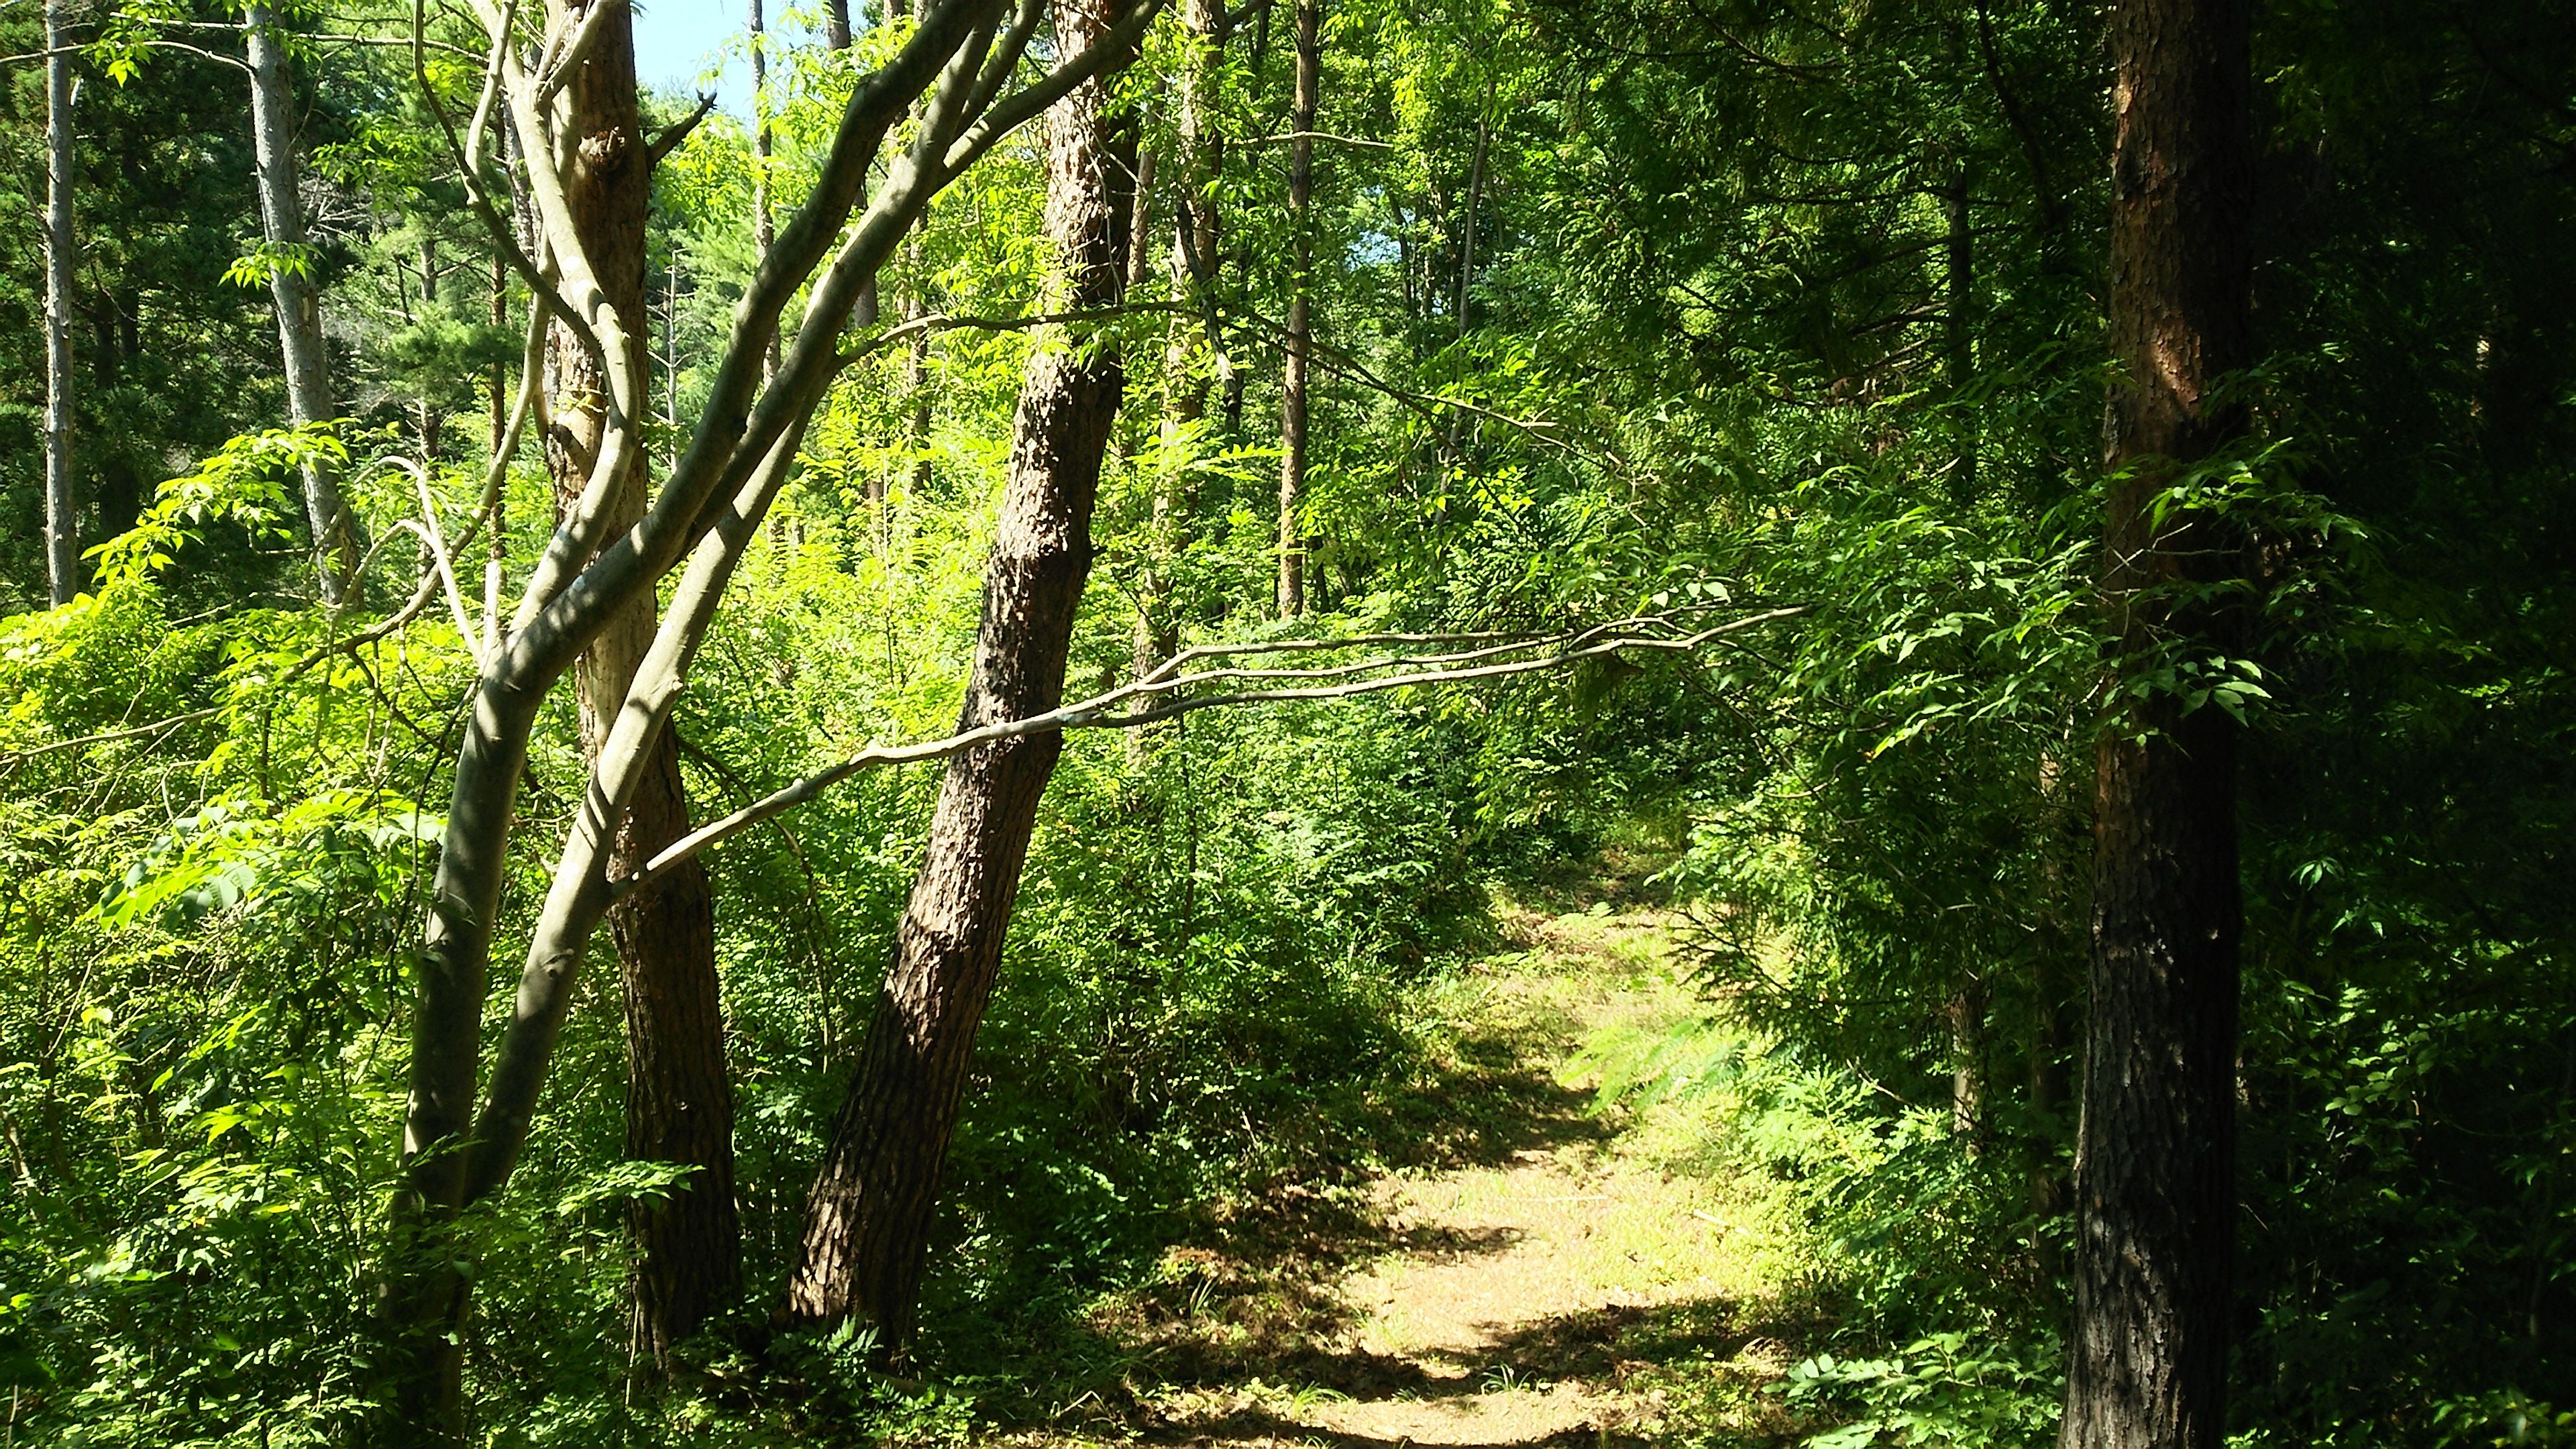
<point x="559" y="69"/>
<point x="673" y="134"/>
<point x="1285" y="137"/>
<point x="943" y="322"/>
<point x="1015" y="43"/>
<point x="432" y="539"/>
<point x="1100" y="711"/>
<point x="1007" y="115"/>
<point x="1334" y="360"/>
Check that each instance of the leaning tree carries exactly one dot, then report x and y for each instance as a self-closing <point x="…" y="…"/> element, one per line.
<point x="960" y="81"/>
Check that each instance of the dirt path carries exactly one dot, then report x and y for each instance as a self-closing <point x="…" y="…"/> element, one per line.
<point x="1524" y="1270"/>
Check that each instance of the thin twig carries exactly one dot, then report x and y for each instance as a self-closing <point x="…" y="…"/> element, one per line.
<point x="1285" y="137"/>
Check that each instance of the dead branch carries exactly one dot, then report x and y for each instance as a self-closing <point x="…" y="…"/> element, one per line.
<point x="1659" y="632"/>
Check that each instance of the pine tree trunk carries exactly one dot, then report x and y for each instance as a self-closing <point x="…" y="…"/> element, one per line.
<point x="1292" y="381"/>
<point x="679" y="1103"/>
<point x="62" y="505"/>
<point x="865" y="1244"/>
<point x="290" y="282"/>
<point x="2155" y="1188"/>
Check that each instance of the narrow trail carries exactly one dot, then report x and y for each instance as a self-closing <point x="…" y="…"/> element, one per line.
<point x="1525" y="1270"/>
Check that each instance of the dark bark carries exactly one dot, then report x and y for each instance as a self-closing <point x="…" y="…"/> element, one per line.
<point x="865" y="1243"/>
<point x="679" y="1104"/>
<point x="1292" y="382"/>
<point x="2147" y="1363"/>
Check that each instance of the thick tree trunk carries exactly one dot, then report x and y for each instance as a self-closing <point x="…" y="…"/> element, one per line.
<point x="866" y="1243"/>
<point x="679" y="1103"/>
<point x="290" y="283"/>
<point x="1292" y="381"/>
<point x="2155" y="1191"/>
<point x="62" y="505"/>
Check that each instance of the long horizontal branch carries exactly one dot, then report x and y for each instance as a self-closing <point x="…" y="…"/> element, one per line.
<point x="1285" y="137"/>
<point x="944" y="322"/>
<point x="1101" y="712"/>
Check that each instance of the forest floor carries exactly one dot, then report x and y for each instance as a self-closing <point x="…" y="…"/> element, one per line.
<point x="1519" y="1267"/>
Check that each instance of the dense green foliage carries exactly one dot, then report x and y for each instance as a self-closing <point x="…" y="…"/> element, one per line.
<point x="1620" y="307"/>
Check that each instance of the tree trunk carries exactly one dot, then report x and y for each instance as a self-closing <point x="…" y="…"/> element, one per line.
<point x="2054" y="947"/>
<point x="763" y="233"/>
<point x="865" y="1244"/>
<point x="496" y="540"/>
<point x="2147" y="1364"/>
<point x="433" y="423"/>
<point x="836" y="24"/>
<point x="679" y="1104"/>
<point x="740" y="455"/>
<point x="290" y="283"/>
<point x="1475" y="203"/>
<point x="1197" y="225"/>
<point x="1965" y="1015"/>
<point x="62" y="505"/>
<point x="1292" y="380"/>
<point x="1959" y="317"/>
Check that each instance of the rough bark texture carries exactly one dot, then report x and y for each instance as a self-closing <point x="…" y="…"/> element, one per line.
<point x="2147" y="1363"/>
<point x="1292" y="381"/>
<point x="299" y="306"/>
<point x="865" y="1244"/>
<point x="679" y="1104"/>
<point x="62" y="505"/>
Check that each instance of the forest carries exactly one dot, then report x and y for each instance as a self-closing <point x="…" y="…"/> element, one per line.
<point x="1344" y="723"/>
